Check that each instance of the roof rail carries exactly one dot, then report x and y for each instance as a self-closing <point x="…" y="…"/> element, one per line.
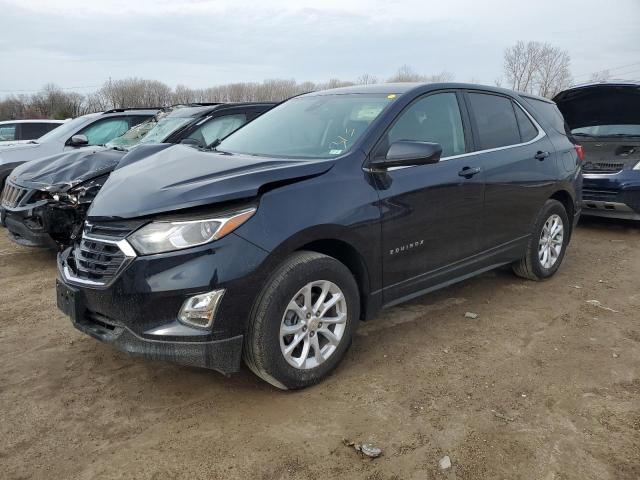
<point x="116" y="110"/>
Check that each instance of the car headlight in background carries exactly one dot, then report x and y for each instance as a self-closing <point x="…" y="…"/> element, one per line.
<point x="166" y="236"/>
<point x="637" y="167"/>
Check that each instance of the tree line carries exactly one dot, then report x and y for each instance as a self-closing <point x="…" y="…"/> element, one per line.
<point x="531" y="67"/>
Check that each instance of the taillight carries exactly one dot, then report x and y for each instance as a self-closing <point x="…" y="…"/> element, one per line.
<point x="580" y="152"/>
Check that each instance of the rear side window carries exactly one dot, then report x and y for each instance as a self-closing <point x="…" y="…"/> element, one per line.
<point x="31" y="131"/>
<point x="550" y="113"/>
<point x="434" y="118"/>
<point x="495" y="120"/>
<point x="7" y="132"/>
<point x="528" y="131"/>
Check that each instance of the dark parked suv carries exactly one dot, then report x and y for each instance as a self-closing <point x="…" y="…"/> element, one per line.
<point x="605" y="118"/>
<point x="44" y="201"/>
<point x="315" y="215"/>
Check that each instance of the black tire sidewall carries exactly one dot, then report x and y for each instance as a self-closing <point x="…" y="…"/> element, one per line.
<point x="276" y="299"/>
<point x="552" y="207"/>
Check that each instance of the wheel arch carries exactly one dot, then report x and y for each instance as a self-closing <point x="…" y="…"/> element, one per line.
<point x="343" y="245"/>
<point x="567" y="200"/>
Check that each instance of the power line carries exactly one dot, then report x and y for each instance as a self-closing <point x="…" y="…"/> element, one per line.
<point x="60" y="88"/>
<point x="607" y="69"/>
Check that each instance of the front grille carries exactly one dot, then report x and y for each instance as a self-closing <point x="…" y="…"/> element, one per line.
<point x="603" y="167"/>
<point x="12" y="195"/>
<point x="96" y="260"/>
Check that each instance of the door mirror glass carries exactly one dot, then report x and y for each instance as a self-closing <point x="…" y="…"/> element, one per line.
<point x="404" y="153"/>
<point x="79" y="141"/>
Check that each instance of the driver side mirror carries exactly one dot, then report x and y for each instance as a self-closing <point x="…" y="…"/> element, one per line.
<point x="79" y="141"/>
<point x="405" y="153"/>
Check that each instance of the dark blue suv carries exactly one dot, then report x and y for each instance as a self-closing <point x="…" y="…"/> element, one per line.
<point x="274" y="245"/>
<point x="605" y="119"/>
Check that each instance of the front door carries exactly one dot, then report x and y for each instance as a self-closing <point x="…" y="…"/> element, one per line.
<point x="431" y="214"/>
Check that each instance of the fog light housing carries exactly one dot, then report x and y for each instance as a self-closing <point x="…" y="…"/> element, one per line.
<point x="199" y="311"/>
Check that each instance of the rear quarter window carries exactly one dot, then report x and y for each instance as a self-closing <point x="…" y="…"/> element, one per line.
<point x="528" y="131"/>
<point x="549" y="111"/>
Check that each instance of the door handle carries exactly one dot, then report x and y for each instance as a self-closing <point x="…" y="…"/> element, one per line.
<point x="541" y="155"/>
<point x="468" y="172"/>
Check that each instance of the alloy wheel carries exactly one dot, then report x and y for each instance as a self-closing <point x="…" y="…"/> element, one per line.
<point x="551" y="241"/>
<point x="313" y="324"/>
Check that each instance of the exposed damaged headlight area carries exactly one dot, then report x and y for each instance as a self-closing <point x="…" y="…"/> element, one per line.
<point x="80" y="194"/>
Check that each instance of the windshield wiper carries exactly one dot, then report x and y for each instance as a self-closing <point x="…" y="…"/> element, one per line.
<point x="213" y="145"/>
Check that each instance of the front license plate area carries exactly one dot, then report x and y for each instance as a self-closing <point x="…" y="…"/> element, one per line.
<point x="67" y="298"/>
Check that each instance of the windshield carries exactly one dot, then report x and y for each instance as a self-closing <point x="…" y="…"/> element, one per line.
<point x="64" y="131"/>
<point x="133" y="135"/>
<point x="323" y="126"/>
<point x="608" y="131"/>
<point x="163" y="128"/>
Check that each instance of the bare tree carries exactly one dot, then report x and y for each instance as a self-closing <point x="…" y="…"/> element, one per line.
<point x="601" y="76"/>
<point x="407" y="74"/>
<point x="366" y="79"/>
<point x="535" y="67"/>
<point x="553" y="73"/>
<point x="521" y="62"/>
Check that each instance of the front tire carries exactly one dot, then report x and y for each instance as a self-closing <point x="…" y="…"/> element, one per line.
<point x="547" y="245"/>
<point x="303" y="321"/>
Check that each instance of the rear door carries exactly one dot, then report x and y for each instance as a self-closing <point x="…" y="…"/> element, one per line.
<point x="431" y="214"/>
<point x="519" y="165"/>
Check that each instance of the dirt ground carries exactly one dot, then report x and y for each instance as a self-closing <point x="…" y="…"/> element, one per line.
<point x="542" y="385"/>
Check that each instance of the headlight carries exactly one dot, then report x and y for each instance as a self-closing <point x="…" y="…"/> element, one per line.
<point x="165" y="236"/>
<point x="637" y="167"/>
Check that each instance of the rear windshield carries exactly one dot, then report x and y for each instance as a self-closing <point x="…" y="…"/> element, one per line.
<point x="322" y="126"/>
<point x="549" y="111"/>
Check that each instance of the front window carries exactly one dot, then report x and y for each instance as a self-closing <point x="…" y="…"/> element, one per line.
<point x="165" y="127"/>
<point x="320" y="126"/>
<point x="64" y="131"/>
<point x="132" y="136"/>
<point x="608" y="131"/>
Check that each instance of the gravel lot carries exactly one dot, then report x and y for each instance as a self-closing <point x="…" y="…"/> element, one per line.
<point x="542" y="385"/>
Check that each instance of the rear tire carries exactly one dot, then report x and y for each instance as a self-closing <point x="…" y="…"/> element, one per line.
<point x="547" y="245"/>
<point x="288" y="342"/>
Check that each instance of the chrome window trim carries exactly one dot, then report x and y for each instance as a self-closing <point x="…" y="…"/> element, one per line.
<point x="541" y="135"/>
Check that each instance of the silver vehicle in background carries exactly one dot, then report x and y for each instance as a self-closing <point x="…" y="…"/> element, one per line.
<point x="87" y="130"/>
<point x="23" y="131"/>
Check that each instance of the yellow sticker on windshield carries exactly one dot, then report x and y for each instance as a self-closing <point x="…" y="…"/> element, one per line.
<point x="392" y="96"/>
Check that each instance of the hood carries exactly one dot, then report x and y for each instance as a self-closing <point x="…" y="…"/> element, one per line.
<point x="181" y="177"/>
<point x="65" y="170"/>
<point x="600" y="104"/>
<point x="27" y="151"/>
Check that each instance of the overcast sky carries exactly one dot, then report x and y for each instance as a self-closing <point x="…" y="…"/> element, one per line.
<point x="202" y="43"/>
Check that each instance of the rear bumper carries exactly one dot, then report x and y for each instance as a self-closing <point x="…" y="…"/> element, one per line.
<point x="614" y="196"/>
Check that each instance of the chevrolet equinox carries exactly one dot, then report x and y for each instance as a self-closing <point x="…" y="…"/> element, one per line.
<point x="272" y="246"/>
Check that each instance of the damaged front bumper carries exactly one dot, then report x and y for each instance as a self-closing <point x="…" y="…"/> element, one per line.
<point x="221" y="355"/>
<point x="136" y="309"/>
<point x="40" y="225"/>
